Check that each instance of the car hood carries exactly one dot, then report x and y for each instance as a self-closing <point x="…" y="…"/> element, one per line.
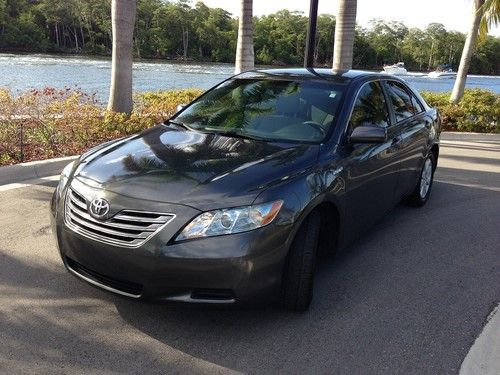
<point x="201" y="170"/>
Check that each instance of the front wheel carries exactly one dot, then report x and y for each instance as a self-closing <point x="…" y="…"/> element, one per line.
<point x="299" y="271"/>
<point x="422" y="191"/>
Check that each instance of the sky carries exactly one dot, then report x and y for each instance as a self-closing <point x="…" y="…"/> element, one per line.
<point x="453" y="14"/>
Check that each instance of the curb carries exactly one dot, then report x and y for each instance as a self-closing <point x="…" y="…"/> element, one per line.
<point x="471" y="137"/>
<point x="43" y="168"/>
<point x="32" y="170"/>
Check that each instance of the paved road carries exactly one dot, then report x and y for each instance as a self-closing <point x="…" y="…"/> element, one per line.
<point x="410" y="297"/>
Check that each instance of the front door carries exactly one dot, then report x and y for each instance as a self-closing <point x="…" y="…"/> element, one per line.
<point x="370" y="169"/>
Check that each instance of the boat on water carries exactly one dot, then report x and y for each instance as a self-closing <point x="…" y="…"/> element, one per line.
<point x="397" y="69"/>
<point x="443" y="71"/>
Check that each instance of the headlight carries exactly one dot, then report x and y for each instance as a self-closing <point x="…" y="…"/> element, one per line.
<point x="232" y="220"/>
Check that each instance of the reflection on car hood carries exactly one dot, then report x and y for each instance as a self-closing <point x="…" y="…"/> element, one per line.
<point x="201" y="170"/>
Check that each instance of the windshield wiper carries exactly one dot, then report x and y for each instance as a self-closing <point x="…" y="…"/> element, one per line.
<point x="179" y="123"/>
<point x="229" y="133"/>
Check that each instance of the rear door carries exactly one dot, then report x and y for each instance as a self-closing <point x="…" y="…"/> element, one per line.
<point x="412" y="126"/>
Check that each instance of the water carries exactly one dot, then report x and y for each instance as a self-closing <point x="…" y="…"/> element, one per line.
<point x="92" y="75"/>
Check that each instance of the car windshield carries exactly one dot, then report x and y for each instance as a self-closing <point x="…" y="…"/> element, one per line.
<point x="278" y="110"/>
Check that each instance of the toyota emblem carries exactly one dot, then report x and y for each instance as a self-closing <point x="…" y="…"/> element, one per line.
<point x="99" y="207"/>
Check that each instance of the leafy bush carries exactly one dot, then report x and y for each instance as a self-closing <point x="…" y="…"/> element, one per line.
<point x="50" y="123"/>
<point x="478" y="111"/>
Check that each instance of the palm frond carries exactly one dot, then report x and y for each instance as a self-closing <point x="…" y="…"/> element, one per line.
<point x="490" y="17"/>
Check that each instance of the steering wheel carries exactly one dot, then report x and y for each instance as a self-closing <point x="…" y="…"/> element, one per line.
<point x="316" y="126"/>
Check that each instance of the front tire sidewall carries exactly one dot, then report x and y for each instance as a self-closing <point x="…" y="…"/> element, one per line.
<point x="298" y="275"/>
<point x="417" y="198"/>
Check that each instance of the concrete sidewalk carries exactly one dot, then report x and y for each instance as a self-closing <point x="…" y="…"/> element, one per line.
<point x="484" y="356"/>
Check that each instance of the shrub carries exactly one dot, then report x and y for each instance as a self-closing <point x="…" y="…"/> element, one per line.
<point x="478" y="111"/>
<point x="48" y="123"/>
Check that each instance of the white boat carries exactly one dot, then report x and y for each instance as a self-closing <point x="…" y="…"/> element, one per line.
<point x="443" y="71"/>
<point x="437" y="74"/>
<point x="396" y="69"/>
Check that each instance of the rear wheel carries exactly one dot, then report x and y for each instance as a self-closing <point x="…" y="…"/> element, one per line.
<point x="299" y="271"/>
<point x="422" y="191"/>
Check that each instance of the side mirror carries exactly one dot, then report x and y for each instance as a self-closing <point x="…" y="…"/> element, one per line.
<point x="368" y="134"/>
<point x="180" y="107"/>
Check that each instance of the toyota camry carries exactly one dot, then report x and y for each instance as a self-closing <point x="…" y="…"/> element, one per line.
<point x="232" y="199"/>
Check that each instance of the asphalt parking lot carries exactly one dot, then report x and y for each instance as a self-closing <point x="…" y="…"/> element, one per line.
<point x="410" y="297"/>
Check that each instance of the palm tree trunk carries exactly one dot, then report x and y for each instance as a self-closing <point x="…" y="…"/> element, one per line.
<point x="245" y="59"/>
<point x="344" y="34"/>
<point x="123" y="21"/>
<point x="468" y="51"/>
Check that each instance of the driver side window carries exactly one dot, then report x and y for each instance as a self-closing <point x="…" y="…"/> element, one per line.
<point x="370" y="108"/>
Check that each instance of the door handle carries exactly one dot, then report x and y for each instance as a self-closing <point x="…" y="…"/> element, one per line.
<point x="396" y="142"/>
<point x="397" y="139"/>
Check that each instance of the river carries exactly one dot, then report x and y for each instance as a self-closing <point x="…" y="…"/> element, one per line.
<point x="92" y="75"/>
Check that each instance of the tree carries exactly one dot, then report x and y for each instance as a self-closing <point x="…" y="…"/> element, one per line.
<point x="244" y="49"/>
<point x="123" y="21"/>
<point x="491" y="17"/>
<point x="470" y="43"/>
<point x="345" y="31"/>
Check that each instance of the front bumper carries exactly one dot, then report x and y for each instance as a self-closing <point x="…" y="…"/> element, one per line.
<point x="239" y="268"/>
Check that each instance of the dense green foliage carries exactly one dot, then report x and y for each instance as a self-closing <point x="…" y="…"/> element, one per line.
<point x="183" y="30"/>
<point x="478" y="111"/>
<point x="50" y="123"/>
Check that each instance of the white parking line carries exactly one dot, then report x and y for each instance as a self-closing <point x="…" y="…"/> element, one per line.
<point x="36" y="181"/>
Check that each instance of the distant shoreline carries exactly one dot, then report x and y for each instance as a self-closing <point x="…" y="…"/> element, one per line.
<point x="181" y="60"/>
<point x="92" y="74"/>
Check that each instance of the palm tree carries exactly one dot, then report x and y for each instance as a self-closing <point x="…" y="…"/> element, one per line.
<point x="244" y="50"/>
<point x="344" y="35"/>
<point x="468" y="51"/>
<point x="485" y="14"/>
<point x="237" y="106"/>
<point x="123" y="20"/>
<point x="491" y="17"/>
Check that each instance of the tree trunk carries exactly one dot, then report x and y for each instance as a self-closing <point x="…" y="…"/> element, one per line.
<point x="344" y="35"/>
<point x="245" y="59"/>
<point x="82" y="37"/>
<point x="468" y="51"/>
<point x="185" y="42"/>
<point x="76" y="38"/>
<point x="429" y="66"/>
<point x="123" y="21"/>
<point x="57" y="34"/>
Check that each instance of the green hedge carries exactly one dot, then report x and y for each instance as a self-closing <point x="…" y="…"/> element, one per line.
<point x="42" y="124"/>
<point x="478" y="111"/>
<point x="48" y="123"/>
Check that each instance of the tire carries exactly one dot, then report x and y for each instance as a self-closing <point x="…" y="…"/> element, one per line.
<point x="298" y="275"/>
<point x="420" y="195"/>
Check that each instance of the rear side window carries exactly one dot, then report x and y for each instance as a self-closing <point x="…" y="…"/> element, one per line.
<point x="404" y="105"/>
<point x="370" y="108"/>
<point x="416" y="104"/>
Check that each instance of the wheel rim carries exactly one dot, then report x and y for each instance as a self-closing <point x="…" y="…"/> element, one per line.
<point x="426" y="178"/>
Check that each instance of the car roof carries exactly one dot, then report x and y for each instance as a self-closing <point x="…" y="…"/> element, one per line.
<point x="313" y="73"/>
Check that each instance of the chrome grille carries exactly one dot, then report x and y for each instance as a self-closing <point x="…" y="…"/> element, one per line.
<point x="128" y="228"/>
